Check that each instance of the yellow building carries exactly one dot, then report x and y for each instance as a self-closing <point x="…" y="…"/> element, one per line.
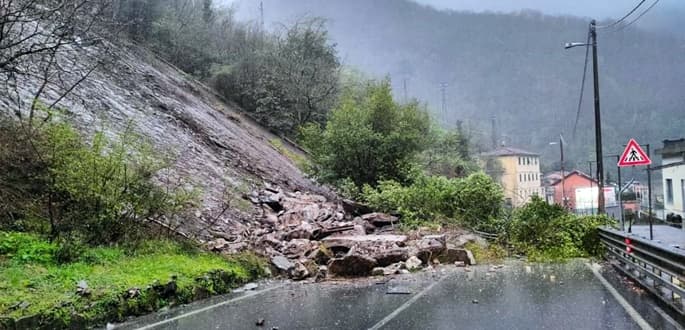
<point x="517" y="171"/>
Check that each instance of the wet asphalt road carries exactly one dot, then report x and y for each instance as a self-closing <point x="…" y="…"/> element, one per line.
<point x="517" y="296"/>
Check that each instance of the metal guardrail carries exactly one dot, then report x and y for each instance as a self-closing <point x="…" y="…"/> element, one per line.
<point x="657" y="267"/>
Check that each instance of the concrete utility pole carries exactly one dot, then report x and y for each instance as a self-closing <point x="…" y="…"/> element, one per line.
<point x="598" y="120"/>
<point x="404" y="87"/>
<point x="494" y="132"/>
<point x="443" y="111"/>
<point x="261" y="16"/>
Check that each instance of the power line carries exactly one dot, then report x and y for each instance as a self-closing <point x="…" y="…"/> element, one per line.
<point x="622" y="18"/>
<point x="639" y="16"/>
<point x="582" y="84"/>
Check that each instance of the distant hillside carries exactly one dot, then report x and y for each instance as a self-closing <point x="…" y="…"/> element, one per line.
<point x="512" y="66"/>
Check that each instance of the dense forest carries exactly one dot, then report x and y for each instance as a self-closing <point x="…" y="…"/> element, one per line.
<point x="512" y="67"/>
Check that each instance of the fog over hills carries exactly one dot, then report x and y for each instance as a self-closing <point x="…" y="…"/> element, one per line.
<point x="511" y="66"/>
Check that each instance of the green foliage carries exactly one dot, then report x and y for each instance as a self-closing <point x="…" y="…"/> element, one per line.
<point x="290" y="80"/>
<point x="548" y="232"/>
<point x="49" y="289"/>
<point x="487" y="253"/>
<point x="25" y="248"/>
<point x="448" y="154"/>
<point x="300" y="160"/>
<point x="100" y="191"/>
<point x="368" y="138"/>
<point x="473" y="201"/>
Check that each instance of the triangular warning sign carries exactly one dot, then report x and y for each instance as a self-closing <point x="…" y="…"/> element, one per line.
<point x="634" y="155"/>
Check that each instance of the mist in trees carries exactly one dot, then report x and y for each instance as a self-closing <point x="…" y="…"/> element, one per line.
<point x="284" y="78"/>
<point x="512" y="67"/>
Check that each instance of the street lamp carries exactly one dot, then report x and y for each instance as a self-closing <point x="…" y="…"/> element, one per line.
<point x="563" y="176"/>
<point x="598" y="121"/>
<point x="574" y="44"/>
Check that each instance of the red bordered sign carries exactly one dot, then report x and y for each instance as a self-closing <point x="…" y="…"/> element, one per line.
<point x="634" y="155"/>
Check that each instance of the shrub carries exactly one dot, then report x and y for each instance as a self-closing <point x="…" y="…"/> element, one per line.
<point x="100" y="191"/>
<point x="26" y="248"/>
<point x="475" y="201"/>
<point x="548" y="232"/>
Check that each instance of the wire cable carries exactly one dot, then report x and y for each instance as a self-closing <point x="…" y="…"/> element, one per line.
<point x="622" y="18"/>
<point x="582" y="84"/>
<point x="638" y="17"/>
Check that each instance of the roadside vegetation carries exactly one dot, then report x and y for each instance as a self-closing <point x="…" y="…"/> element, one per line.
<point x="80" y="240"/>
<point x="387" y="155"/>
<point x="107" y="283"/>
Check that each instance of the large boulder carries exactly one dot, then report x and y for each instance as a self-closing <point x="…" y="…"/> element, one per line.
<point x="299" y="248"/>
<point x="392" y="256"/>
<point x="363" y="240"/>
<point x="413" y="263"/>
<point x="299" y="272"/>
<point x="353" y="264"/>
<point x="430" y="247"/>
<point x="282" y="264"/>
<point x="453" y="254"/>
<point x="380" y="219"/>
<point x="355" y="208"/>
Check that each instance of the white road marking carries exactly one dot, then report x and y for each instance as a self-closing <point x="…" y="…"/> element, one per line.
<point x="404" y="306"/>
<point x="204" y="309"/>
<point x="629" y="309"/>
<point x="668" y="318"/>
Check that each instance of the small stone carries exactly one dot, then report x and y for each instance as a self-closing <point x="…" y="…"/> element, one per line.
<point x="378" y="271"/>
<point x="404" y="271"/>
<point x="260" y="322"/>
<point x="250" y="286"/>
<point x="460" y="264"/>
<point x="474" y="301"/>
<point x="467" y="269"/>
<point x="274" y="328"/>
<point x="436" y="261"/>
<point x="413" y="263"/>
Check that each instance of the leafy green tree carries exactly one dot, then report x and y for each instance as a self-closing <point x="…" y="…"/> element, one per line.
<point x="290" y="80"/>
<point x="448" y="154"/>
<point x="369" y="137"/>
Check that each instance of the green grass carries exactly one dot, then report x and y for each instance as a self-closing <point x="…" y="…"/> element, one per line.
<point x="490" y="254"/>
<point x="28" y="273"/>
<point x="300" y="161"/>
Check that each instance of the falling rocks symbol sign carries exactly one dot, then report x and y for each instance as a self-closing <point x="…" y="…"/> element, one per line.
<point x="634" y="155"/>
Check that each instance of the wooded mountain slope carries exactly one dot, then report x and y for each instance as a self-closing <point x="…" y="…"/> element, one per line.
<point x="514" y="67"/>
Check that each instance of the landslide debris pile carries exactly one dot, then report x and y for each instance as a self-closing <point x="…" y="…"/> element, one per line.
<point x="306" y="235"/>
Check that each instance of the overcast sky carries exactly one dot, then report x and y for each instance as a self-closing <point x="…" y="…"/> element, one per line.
<point x="667" y="15"/>
<point x="584" y="8"/>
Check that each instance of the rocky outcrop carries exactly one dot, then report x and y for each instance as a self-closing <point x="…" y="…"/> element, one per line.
<point x="308" y="235"/>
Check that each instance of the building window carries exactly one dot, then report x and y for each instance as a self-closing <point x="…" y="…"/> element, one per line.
<point x="520" y="180"/>
<point x="519" y="160"/>
<point x="669" y="191"/>
<point x="527" y="160"/>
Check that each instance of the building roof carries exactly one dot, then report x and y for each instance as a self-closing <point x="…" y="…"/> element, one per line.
<point x="509" y="151"/>
<point x="672" y="148"/>
<point x="571" y="173"/>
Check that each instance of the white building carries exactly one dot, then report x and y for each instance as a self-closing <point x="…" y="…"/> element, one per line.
<point x="673" y="173"/>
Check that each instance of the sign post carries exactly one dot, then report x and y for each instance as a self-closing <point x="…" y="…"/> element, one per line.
<point x="633" y="155"/>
